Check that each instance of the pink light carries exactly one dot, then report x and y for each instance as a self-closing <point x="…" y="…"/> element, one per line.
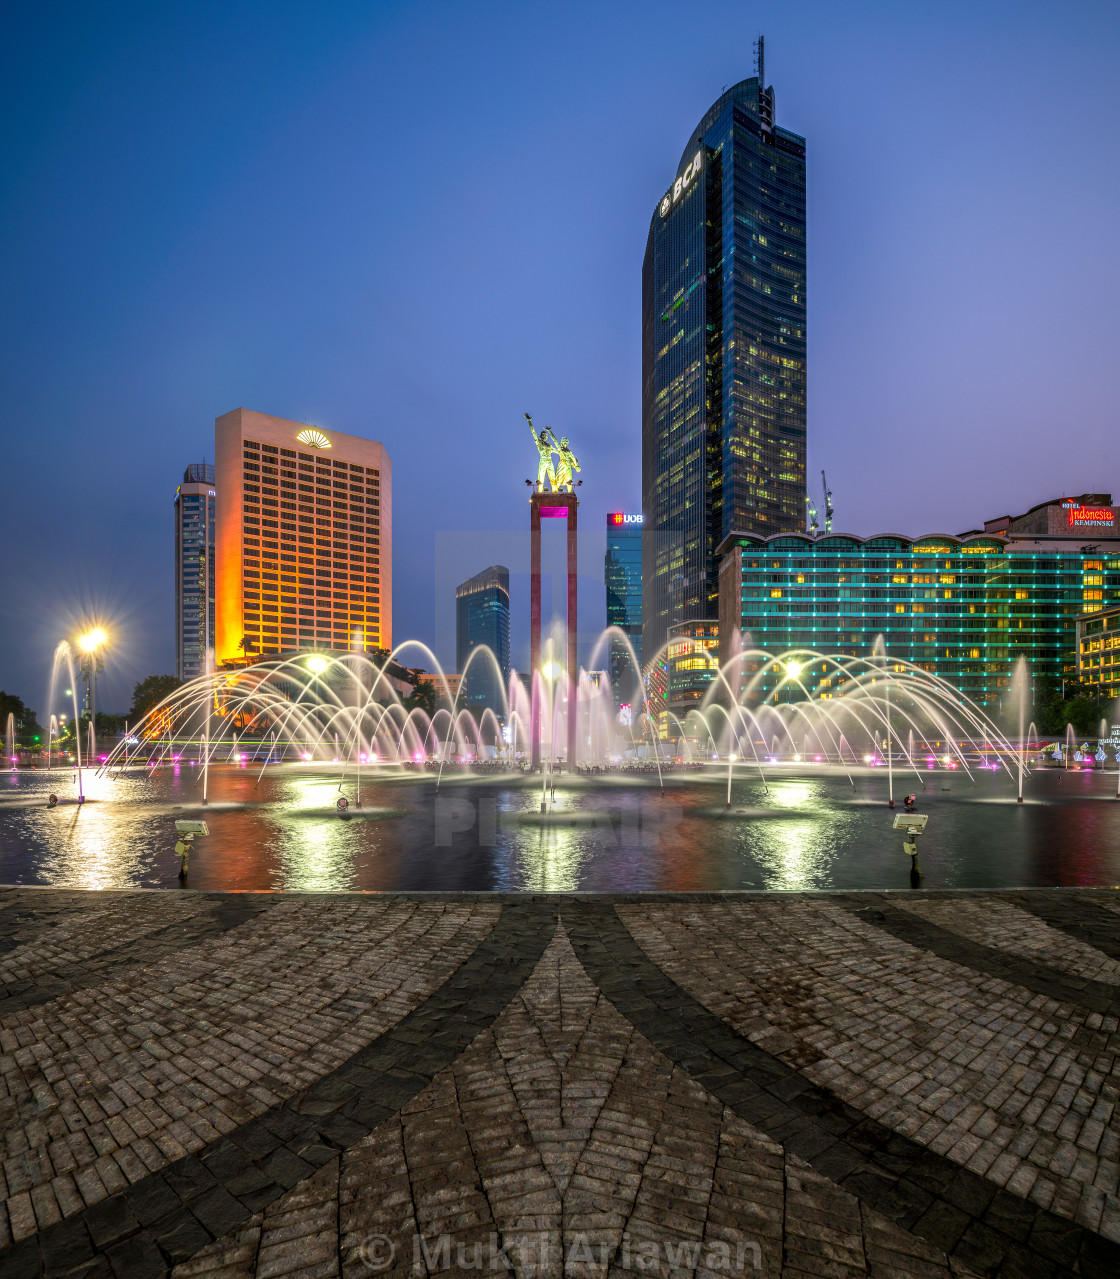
<point x="176" y="758"/>
<point x="306" y="756"/>
<point x="418" y="756"/>
<point x="816" y="759"/>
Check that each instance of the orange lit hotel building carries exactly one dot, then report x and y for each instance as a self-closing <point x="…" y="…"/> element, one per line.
<point x="304" y="533"/>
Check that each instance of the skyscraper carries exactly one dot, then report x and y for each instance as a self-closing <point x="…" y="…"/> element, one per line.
<point x="622" y="572"/>
<point x="482" y="617"/>
<point x="305" y="527"/>
<point x="195" y="503"/>
<point x="723" y="353"/>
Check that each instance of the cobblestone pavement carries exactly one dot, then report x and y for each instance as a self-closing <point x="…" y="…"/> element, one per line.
<point x="347" y="1085"/>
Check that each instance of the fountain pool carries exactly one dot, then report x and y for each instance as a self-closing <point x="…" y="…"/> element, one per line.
<point x="814" y="829"/>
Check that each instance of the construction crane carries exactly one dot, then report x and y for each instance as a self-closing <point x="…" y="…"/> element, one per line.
<point x="827" y="504"/>
<point x="811" y="512"/>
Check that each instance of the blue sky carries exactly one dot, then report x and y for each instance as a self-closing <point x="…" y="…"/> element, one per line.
<point x="416" y="221"/>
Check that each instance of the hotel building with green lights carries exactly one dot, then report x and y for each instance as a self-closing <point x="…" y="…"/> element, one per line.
<point x="963" y="607"/>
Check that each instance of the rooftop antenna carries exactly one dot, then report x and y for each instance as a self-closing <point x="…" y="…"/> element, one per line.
<point x="827" y="504"/>
<point x="760" y="59"/>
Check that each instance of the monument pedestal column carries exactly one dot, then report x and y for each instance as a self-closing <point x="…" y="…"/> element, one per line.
<point x="552" y="506"/>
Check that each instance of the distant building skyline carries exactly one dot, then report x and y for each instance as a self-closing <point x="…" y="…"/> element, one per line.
<point x="304" y="538"/>
<point x="482" y="618"/>
<point x="723" y="353"/>
<point x="195" y="511"/>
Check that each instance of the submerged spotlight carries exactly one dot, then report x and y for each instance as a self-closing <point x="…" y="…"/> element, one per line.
<point x="316" y="664"/>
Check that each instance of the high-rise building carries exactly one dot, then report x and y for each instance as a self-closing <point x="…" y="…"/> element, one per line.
<point x="622" y="572"/>
<point x="1098" y="652"/>
<point x="482" y="617"/>
<point x="305" y="529"/>
<point x="195" y="512"/>
<point x="723" y="354"/>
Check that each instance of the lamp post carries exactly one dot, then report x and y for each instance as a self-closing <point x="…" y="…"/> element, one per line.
<point x="90" y="643"/>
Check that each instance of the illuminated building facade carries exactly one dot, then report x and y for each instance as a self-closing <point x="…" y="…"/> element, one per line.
<point x="195" y="543"/>
<point x="482" y="618"/>
<point x="679" y="677"/>
<point x="304" y="538"/>
<point x="622" y="572"/>
<point x="723" y="354"/>
<point x="1098" y="652"/>
<point x="965" y="608"/>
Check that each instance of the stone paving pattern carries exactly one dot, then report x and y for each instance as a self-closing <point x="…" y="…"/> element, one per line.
<point x="865" y="1084"/>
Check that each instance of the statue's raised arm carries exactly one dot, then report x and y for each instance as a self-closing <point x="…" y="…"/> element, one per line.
<point x="545" y="448"/>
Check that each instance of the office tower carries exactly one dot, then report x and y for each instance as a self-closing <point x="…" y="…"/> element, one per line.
<point x="195" y="504"/>
<point x="305" y="528"/>
<point x="482" y="617"/>
<point x="723" y="354"/>
<point x="622" y="572"/>
<point x="963" y="607"/>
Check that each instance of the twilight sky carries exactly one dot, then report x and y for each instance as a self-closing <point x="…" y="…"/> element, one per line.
<point x="415" y="221"/>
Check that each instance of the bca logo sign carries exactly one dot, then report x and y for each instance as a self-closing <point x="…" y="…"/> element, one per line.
<point x="691" y="171"/>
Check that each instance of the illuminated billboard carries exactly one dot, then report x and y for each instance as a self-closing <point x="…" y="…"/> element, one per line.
<point x="1090" y="516"/>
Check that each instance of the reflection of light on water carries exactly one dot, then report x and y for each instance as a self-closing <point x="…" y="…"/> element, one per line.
<point x="315" y="855"/>
<point x="87" y="853"/>
<point x="551" y="855"/>
<point x="790" y="794"/>
<point x="791" y="854"/>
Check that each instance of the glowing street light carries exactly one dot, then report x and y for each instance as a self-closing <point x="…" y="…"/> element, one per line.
<point x="91" y="641"/>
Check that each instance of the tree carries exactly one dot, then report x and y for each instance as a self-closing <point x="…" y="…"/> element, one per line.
<point x="1078" y="707"/>
<point x="26" y="724"/>
<point x="149" y="693"/>
<point x="423" y="696"/>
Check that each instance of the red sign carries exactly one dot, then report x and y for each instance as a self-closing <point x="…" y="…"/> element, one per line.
<point x="1095" y="516"/>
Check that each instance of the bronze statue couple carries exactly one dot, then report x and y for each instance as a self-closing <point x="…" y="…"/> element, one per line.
<point x="561" y="475"/>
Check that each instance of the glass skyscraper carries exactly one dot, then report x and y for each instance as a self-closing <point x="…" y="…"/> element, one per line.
<point x="195" y="503"/>
<point x="723" y="354"/>
<point x="622" y="572"/>
<point x="482" y="617"/>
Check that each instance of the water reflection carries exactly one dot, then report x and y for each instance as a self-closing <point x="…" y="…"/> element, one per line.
<point x="282" y="831"/>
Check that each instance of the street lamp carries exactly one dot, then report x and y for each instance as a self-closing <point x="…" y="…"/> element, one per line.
<point x="89" y="643"/>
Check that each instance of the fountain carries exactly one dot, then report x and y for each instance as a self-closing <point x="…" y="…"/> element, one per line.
<point x="10" y="740"/>
<point x="64" y="654"/>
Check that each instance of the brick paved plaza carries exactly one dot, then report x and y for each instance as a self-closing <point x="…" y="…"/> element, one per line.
<point x="830" y="1085"/>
